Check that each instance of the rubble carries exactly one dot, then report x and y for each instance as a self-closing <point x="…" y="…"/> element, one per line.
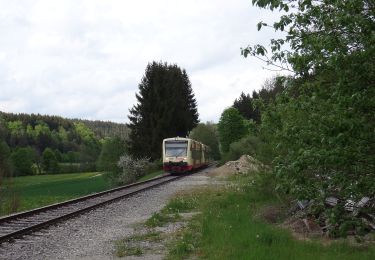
<point x="363" y="209"/>
<point x="246" y="164"/>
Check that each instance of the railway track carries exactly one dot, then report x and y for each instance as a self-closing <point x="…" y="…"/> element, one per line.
<point x="16" y="225"/>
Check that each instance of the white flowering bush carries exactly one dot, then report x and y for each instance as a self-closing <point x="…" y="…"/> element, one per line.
<point x="132" y="169"/>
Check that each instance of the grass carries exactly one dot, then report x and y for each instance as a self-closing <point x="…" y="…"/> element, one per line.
<point x="127" y="247"/>
<point x="123" y="249"/>
<point x="229" y="228"/>
<point x="160" y="219"/>
<point x="41" y="190"/>
<point x="29" y="192"/>
<point x="151" y="175"/>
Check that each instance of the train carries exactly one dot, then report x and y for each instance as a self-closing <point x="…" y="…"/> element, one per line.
<point x="181" y="155"/>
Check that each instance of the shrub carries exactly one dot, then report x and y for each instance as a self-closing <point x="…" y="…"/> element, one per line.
<point x="132" y="169"/>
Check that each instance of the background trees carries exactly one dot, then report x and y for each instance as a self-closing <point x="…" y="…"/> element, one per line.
<point x="75" y="143"/>
<point x="231" y="128"/>
<point x="112" y="150"/>
<point x="207" y="134"/>
<point x="166" y="107"/>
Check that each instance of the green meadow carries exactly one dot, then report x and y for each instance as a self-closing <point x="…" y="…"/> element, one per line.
<point x="41" y="190"/>
<point x="29" y="192"/>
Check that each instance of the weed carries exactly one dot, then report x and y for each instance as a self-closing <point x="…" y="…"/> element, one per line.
<point x="123" y="249"/>
<point x="151" y="236"/>
<point x="160" y="219"/>
<point x="182" y="204"/>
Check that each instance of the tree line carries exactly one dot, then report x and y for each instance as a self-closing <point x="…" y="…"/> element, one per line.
<point x="51" y="144"/>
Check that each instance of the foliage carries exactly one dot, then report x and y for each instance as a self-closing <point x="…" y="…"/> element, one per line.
<point x="320" y="34"/>
<point x="322" y="126"/>
<point x="165" y="107"/>
<point x="245" y="105"/>
<point x="132" y="169"/>
<point x="231" y="128"/>
<point x="50" y="163"/>
<point x="23" y="159"/>
<point x="72" y="140"/>
<point x="208" y="135"/>
<point x="250" y="106"/>
<point x="106" y="129"/>
<point x="112" y="149"/>
<point x="251" y="145"/>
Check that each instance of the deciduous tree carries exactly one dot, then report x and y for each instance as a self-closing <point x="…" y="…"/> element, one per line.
<point x="231" y="128"/>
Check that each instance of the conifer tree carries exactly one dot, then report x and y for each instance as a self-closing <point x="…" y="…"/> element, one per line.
<point x="165" y="107"/>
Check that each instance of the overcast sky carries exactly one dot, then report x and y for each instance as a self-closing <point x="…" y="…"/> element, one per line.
<point x="85" y="59"/>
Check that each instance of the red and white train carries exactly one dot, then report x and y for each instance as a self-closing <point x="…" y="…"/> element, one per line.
<point x="183" y="154"/>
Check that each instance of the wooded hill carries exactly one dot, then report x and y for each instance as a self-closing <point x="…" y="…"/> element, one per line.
<point x="42" y="143"/>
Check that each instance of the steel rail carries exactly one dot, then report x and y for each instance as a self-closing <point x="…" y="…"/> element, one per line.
<point x="19" y="224"/>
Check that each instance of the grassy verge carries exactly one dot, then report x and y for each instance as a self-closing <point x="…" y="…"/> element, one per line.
<point x="229" y="227"/>
<point x="37" y="191"/>
<point x="151" y="175"/>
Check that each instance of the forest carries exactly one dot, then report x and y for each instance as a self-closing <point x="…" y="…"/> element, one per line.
<point x="39" y="144"/>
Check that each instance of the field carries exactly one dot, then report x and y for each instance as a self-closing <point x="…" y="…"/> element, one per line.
<point x="37" y="191"/>
<point x="41" y="190"/>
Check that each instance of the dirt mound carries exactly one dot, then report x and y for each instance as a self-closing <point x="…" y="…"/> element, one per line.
<point x="246" y="164"/>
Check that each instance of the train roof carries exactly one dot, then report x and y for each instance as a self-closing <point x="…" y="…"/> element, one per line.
<point x="177" y="138"/>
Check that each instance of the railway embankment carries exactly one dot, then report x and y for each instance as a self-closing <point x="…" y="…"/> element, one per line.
<point x="92" y="235"/>
<point x="241" y="218"/>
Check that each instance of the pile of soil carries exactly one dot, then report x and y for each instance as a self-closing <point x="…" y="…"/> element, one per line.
<point x="246" y="164"/>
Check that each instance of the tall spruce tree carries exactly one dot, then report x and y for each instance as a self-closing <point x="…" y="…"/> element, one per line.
<point x="165" y="107"/>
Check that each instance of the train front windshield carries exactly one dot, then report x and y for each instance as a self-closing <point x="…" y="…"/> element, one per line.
<point x="176" y="148"/>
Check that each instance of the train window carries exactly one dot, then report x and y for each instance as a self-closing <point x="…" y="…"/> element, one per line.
<point x="176" y="148"/>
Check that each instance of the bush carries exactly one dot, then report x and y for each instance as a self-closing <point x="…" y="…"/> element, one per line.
<point x="132" y="169"/>
<point x="251" y="145"/>
<point x="50" y="163"/>
<point x="154" y="166"/>
<point x="23" y="159"/>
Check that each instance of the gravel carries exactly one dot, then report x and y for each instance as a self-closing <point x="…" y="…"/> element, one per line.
<point x="92" y="235"/>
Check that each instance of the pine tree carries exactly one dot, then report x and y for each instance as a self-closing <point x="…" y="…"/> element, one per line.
<point x="244" y="105"/>
<point x="165" y="107"/>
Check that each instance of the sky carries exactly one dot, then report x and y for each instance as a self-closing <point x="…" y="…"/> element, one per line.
<point x="85" y="59"/>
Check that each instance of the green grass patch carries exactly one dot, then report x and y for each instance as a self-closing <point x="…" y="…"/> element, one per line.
<point x="159" y="219"/>
<point x="151" y="175"/>
<point x="152" y="236"/>
<point x="229" y="228"/>
<point x="37" y="191"/>
<point x="128" y="247"/>
<point x="182" y="203"/>
<point x="123" y="249"/>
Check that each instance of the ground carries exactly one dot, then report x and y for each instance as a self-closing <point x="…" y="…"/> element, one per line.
<point x="93" y="235"/>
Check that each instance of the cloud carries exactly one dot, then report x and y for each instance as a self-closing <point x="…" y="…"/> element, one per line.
<point x="84" y="59"/>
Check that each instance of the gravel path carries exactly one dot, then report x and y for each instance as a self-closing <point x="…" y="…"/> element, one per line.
<point x="91" y="236"/>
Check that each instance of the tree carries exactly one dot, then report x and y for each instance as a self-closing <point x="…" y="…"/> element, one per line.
<point x="165" y="107"/>
<point x="50" y="163"/>
<point x="207" y="134"/>
<point x="23" y="159"/>
<point x="245" y="105"/>
<point x="322" y="125"/>
<point x="112" y="149"/>
<point x="231" y="128"/>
